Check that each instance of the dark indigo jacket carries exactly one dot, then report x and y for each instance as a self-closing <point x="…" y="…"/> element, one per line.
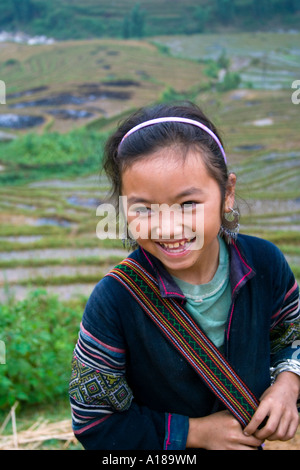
<point x="131" y="390"/>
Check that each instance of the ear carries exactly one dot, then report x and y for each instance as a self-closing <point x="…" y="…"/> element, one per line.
<point x="230" y="192"/>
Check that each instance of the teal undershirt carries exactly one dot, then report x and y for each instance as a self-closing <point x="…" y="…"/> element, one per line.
<point x="209" y="303"/>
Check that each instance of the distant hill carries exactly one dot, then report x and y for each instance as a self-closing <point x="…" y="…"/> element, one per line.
<point x="74" y="19"/>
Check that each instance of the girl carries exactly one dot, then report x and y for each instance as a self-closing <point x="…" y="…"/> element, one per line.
<point x="134" y="381"/>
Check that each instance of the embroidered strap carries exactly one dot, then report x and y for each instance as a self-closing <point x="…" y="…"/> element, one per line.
<point x="188" y="339"/>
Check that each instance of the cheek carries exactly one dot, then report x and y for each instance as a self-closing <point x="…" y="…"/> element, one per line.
<point x="212" y="219"/>
<point x="195" y="221"/>
<point x="139" y="227"/>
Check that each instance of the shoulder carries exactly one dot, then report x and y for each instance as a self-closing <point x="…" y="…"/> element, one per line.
<point x="258" y="249"/>
<point x="109" y="304"/>
<point x="109" y="293"/>
<point x="266" y="259"/>
<point x="104" y="308"/>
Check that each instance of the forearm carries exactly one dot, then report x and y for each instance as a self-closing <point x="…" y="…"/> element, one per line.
<point x="278" y="405"/>
<point x="291" y="382"/>
<point x="105" y="415"/>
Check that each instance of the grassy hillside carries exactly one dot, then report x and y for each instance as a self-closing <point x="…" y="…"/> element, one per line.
<point x="77" y="62"/>
<point x="99" y="78"/>
<point x="66" y="19"/>
<point x="69" y="84"/>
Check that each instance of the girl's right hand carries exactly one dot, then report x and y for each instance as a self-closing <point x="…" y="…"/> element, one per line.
<point x="219" y="431"/>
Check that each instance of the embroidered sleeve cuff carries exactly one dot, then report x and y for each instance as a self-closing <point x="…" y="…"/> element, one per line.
<point x="176" y="431"/>
<point x="290" y="365"/>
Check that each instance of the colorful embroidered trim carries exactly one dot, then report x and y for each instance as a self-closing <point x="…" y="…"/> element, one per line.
<point x="188" y="339"/>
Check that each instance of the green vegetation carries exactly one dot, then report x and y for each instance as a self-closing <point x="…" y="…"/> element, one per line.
<point x="63" y="19"/>
<point x="33" y="156"/>
<point x="37" y="333"/>
<point x="134" y="23"/>
<point x="231" y="81"/>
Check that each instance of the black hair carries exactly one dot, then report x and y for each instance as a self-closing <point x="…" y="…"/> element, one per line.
<point x="150" y="139"/>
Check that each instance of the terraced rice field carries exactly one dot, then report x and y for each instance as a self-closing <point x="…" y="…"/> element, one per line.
<point x="48" y="228"/>
<point x="267" y="61"/>
<point x="68" y="84"/>
<point x="48" y="238"/>
<point x="262" y="131"/>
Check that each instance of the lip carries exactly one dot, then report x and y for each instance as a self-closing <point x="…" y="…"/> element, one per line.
<point x="176" y="252"/>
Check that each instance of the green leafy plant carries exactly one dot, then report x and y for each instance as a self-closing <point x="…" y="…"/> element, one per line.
<point x="39" y="335"/>
<point x="34" y="156"/>
<point x="231" y="81"/>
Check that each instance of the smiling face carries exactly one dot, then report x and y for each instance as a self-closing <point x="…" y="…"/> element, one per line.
<point x="176" y="186"/>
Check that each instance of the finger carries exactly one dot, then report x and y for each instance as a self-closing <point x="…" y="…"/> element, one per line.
<point x="271" y="426"/>
<point x="244" y="445"/>
<point x="292" y="430"/>
<point x="286" y="429"/>
<point x="248" y="447"/>
<point x="282" y="431"/>
<point x="252" y="441"/>
<point x="258" y="420"/>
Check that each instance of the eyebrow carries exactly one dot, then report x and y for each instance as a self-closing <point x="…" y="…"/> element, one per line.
<point x="187" y="192"/>
<point x="190" y="191"/>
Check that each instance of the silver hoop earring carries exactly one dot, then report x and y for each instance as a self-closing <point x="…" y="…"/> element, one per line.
<point x="230" y="225"/>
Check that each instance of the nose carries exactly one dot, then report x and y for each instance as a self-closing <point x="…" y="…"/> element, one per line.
<point x="167" y="224"/>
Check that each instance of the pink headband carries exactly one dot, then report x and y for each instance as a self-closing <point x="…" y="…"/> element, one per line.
<point x="177" y="119"/>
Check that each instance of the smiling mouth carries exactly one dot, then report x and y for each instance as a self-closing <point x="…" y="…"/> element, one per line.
<point x="176" y="247"/>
